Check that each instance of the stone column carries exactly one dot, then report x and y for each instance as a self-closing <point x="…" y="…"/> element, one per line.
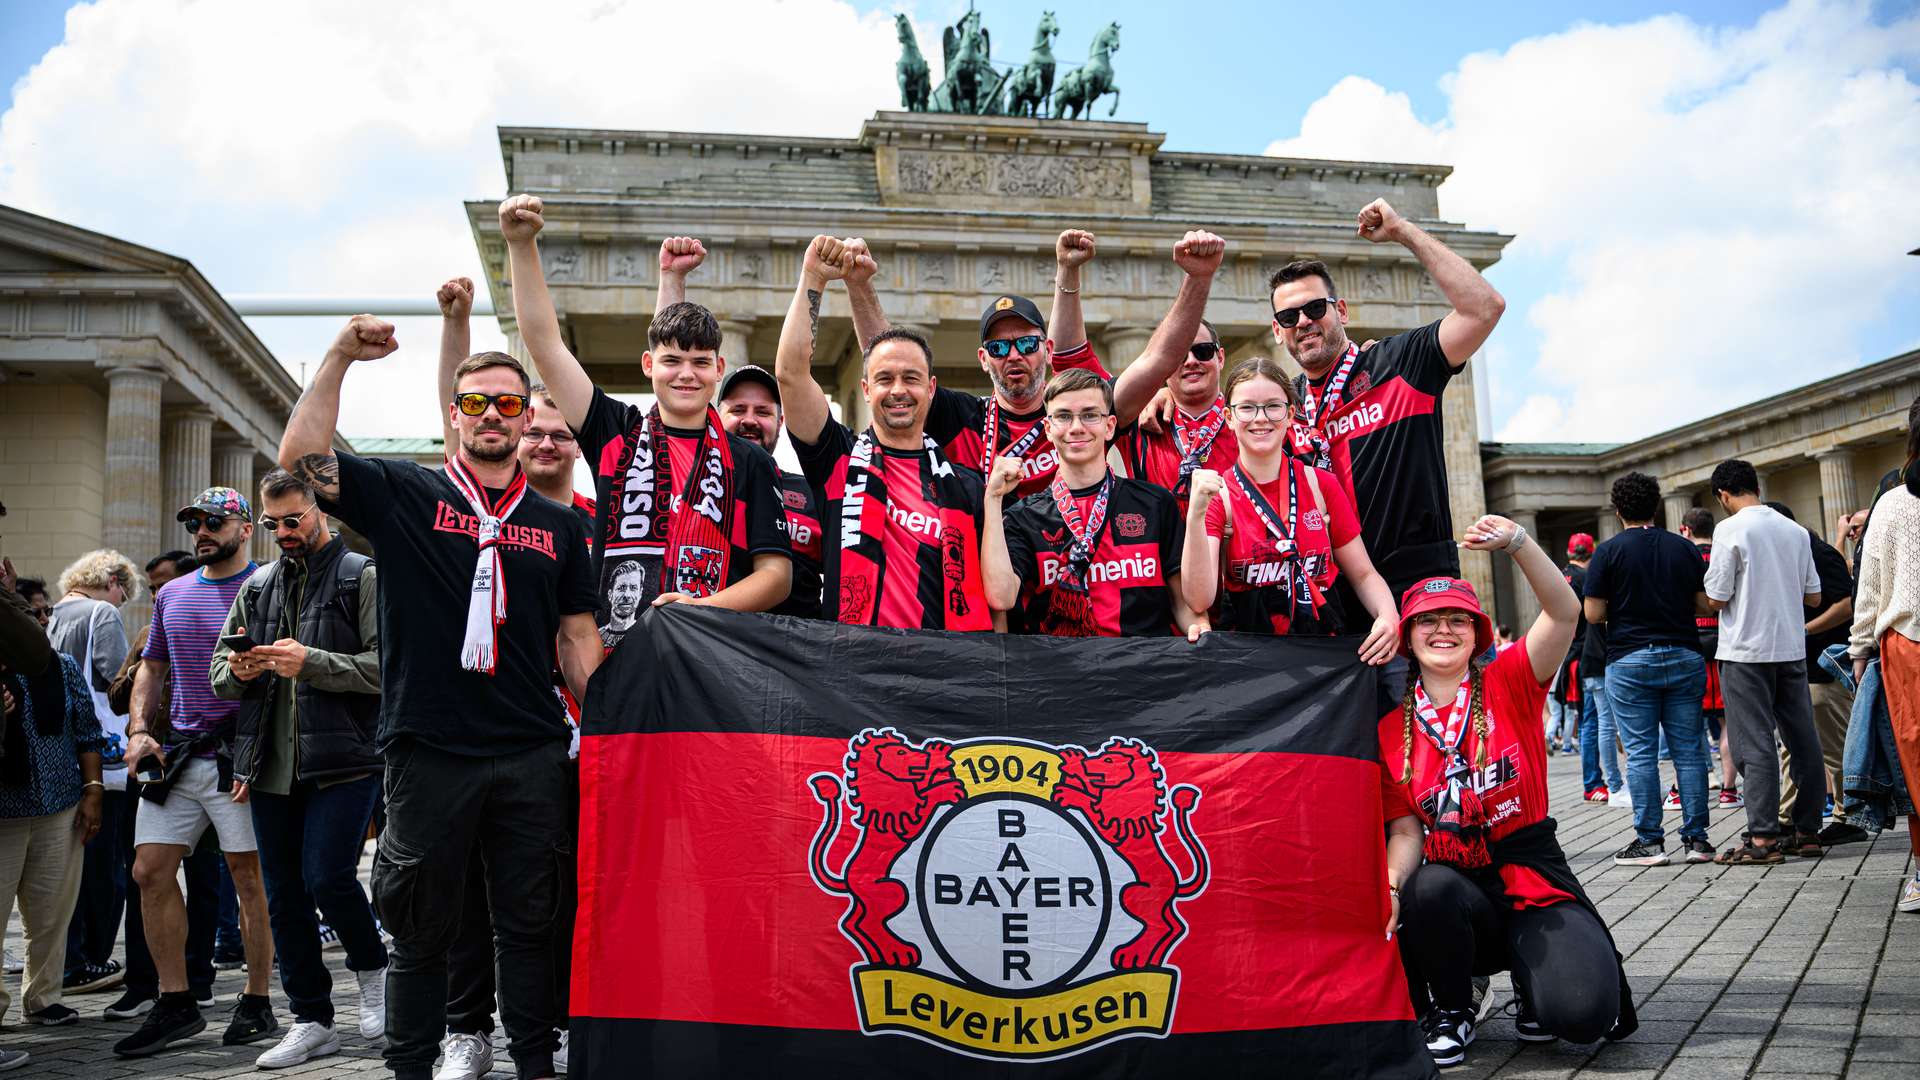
<point x="1838" y="495"/>
<point x="1526" y="606"/>
<point x="187" y="460"/>
<point x="1676" y="503"/>
<point x="1466" y="493"/>
<point x="233" y="466"/>
<point x="131" y="524"/>
<point x="734" y="336"/>
<point x="1121" y="345"/>
<point x="853" y="406"/>
<point x="1608" y="525"/>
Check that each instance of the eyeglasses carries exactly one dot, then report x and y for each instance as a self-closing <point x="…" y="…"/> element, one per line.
<point x="1247" y="411"/>
<point x="1203" y="351"/>
<point x="289" y="521"/>
<point x="1064" y="420"/>
<point x="509" y="405"/>
<point x="561" y="439"/>
<point x="1312" y="309"/>
<point x="1433" y="620"/>
<point x="1000" y="348"/>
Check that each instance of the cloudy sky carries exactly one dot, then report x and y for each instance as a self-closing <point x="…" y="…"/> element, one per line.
<point x="1712" y="200"/>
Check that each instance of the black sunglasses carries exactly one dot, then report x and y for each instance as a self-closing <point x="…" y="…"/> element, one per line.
<point x="1312" y="309"/>
<point x="1204" y="351"/>
<point x="510" y="405"/>
<point x="211" y="523"/>
<point x="1000" y="348"/>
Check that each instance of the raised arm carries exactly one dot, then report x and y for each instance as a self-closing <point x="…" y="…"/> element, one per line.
<point x="1200" y="557"/>
<point x="804" y="403"/>
<point x="306" y="448"/>
<point x="1477" y="306"/>
<point x="861" y="267"/>
<point x="997" y="574"/>
<point x="1073" y="250"/>
<point x="520" y="221"/>
<point x="1552" y="630"/>
<point x="1198" y="254"/>
<point x="456" y="344"/>
<point x="679" y="256"/>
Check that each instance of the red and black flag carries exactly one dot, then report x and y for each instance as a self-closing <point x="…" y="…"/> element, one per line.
<point x="810" y="849"/>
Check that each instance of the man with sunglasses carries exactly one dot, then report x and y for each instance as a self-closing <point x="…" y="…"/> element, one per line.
<point x="198" y="788"/>
<point x="309" y="694"/>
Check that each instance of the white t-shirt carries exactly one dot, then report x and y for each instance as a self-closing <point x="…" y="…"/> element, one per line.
<point x="1763" y="567"/>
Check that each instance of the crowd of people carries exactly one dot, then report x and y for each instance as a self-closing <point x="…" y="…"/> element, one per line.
<point x="256" y="734"/>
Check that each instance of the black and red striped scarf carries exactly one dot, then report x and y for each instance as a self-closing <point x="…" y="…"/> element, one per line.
<point x="857" y="566"/>
<point x="1309" y="435"/>
<point x="1070" y="600"/>
<point x="1193" y="440"/>
<point x="684" y="538"/>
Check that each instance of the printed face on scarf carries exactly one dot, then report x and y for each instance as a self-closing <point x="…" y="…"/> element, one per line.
<point x="623" y="596"/>
<point x="547" y="448"/>
<point x="898" y="386"/>
<point x="1078" y="442"/>
<point x="1021" y="377"/>
<point x="1314" y="344"/>
<point x="751" y="413"/>
<point x="1261" y="435"/>
<point x="683" y="379"/>
<point x="1195" y="383"/>
<point x="489" y="437"/>
<point x="1442" y="640"/>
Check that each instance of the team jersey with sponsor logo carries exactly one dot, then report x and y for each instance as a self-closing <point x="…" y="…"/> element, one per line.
<point x="1156" y="458"/>
<point x="757" y="514"/>
<point x="914" y="591"/>
<point x="1512" y="784"/>
<point x="424" y="537"/>
<point x="1388" y="446"/>
<point x="802" y="524"/>
<point x="1137" y="551"/>
<point x="1256" y="579"/>
<point x="957" y="421"/>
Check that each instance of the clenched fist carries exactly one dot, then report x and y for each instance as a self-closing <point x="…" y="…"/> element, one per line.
<point x="681" y="255"/>
<point x="520" y="218"/>
<point x="1006" y="474"/>
<point x="456" y="298"/>
<point x="1204" y="486"/>
<point x="861" y="265"/>
<point x="826" y="260"/>
<point x="1380" y="222"/>
<point x="1074" y="248"/>
<point x="366" y="338"/>
<point x="1199" y="253"/>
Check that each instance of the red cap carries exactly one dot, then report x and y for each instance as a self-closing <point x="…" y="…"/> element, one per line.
<point x="1437" y="593"/>
<point x="1580" y="544"/>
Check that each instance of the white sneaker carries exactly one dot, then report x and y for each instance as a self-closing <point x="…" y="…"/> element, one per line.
<point x="560" y="1055"/>
<point x="466" y="1057"/>
<point x="10" y="963"/>
<point x="373" y="1003"/>
<point x="1620" y="800"/>
<point x="1910" y="896"/>
<point x="302" y="1042"/>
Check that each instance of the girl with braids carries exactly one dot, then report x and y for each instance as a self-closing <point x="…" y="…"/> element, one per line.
<point x="1275" y="532"/>
<point x="1465" y="757"/>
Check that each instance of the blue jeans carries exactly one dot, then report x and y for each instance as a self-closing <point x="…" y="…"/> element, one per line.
<point x="1599" y="755"/>
<point x="310" y="843"/>
<point x="1655" y="691"/>
<point x="1556" y="718"/>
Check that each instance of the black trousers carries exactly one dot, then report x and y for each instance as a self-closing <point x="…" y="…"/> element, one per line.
<point x="202" y="871"/>
<point x="440" y="808"/>
<point x="1452" y="929"/>
<point x="104" y="879"/>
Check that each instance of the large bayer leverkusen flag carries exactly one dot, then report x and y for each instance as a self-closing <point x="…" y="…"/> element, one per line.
<point x="812" y="850"/>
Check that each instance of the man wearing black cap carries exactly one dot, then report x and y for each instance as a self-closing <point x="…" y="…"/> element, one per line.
<point x="750" y="409"/>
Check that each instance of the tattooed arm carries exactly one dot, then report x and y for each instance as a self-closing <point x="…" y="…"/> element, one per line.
<point x="306" y="450"/>
<point x="804" y="402"/>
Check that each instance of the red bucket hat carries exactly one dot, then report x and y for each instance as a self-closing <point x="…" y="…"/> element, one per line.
<point x="1436" y="593"/>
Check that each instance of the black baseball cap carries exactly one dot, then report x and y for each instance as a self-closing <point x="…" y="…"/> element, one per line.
<point x="752" y="373"/>
<point x="1010" y="305"/>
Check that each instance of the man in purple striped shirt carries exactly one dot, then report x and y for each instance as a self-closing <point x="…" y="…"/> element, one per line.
<point x="188" y="615"/>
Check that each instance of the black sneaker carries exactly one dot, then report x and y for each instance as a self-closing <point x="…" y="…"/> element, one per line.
<point x="1843" y="832"/>
<point x="253" y="1020"/>
<point x="1525" y="1025"/>
<point x="55" y="1015"/>
<point x="1642" y="853"/>
<point x="93" y="977"/>
<point x="168" y="1023"/>
<point x="131" y="1004"/>
<point x="228" y="961"/>
<point x="1449" y="1033"/>
<point x="1698" y="850"/>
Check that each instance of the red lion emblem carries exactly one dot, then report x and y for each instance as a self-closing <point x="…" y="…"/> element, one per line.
<point x="893" y="787"/>
<point x="1122" y="791"/>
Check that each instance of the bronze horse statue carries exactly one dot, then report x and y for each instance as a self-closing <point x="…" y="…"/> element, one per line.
<point x="971" y="86"/>
<point x="1030" y="86"/>
<point x="1084" y="85"/>
<point x="912" y="68"/>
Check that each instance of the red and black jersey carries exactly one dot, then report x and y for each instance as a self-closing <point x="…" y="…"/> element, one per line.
<point x="802" y="524"/>
<point x="1512" y="783"/>
<point x="583" y="507"/>
<point x="1388" y="445"/>
<point x="957" y="422"/>
<point x="1256" y="576"/>
<point x="1156" y="458"/>
<point x="924" y="497"/>
<point x="1126" y="581"/>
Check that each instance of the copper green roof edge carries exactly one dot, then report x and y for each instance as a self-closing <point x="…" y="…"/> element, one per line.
<point x="376" y="447"/>
<point x="1569" y="449"/>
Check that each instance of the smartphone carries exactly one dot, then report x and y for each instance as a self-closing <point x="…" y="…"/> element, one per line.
<point x="148" y="771"/>
<point x="239" y="642"/>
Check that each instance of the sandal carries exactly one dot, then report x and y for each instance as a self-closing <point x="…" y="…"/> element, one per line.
<point x="1750" y="854"/>
<point x="1804" y="845"/>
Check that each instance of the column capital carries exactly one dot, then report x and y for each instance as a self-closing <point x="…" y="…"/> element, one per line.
<point x="126" y="367"/>
<point x="1837" y="453"/>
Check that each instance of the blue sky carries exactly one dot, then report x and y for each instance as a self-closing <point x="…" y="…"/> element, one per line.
<point x="1694" y="144"/>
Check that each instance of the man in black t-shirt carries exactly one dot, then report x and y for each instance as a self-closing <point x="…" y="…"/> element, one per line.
<point x="486" y="589"/>
<point x="694" y="507"/>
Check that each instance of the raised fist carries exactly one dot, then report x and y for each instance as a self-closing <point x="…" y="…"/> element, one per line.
<point x="365" y="338"/>
<point x="681" y="255"/>
<point x="1006" y="474"/>
<point x="826" y="258"/>
<point x="1490" y="533"/>
<point x="456" y="298"/>
<point x="861" y="265"/>
<point x="1074" y="248"/>
<point x="1199" y="253"/>
<point x="1380" y="222"/>
<point x="520" y="218"/>
<point x="1204" y="486"/>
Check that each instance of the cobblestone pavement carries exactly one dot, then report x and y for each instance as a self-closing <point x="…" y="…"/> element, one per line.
<point x="1803" y="969"/>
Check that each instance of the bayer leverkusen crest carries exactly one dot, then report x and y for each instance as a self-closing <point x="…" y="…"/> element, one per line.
<point x="1009" y="899"/>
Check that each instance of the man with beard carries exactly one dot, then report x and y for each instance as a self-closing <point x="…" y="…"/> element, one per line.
<point x="902" y="521"/>
<point x="309" y="693"/>
<point x="624" y="593"/>
<point x="489" y="589"/>
<point x="199" y="788"/>
<point x="695" y="508"/>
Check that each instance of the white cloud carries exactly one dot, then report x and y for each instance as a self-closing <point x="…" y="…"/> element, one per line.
<point x="325" y="147"/>
<point x="1722" y="209"/>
